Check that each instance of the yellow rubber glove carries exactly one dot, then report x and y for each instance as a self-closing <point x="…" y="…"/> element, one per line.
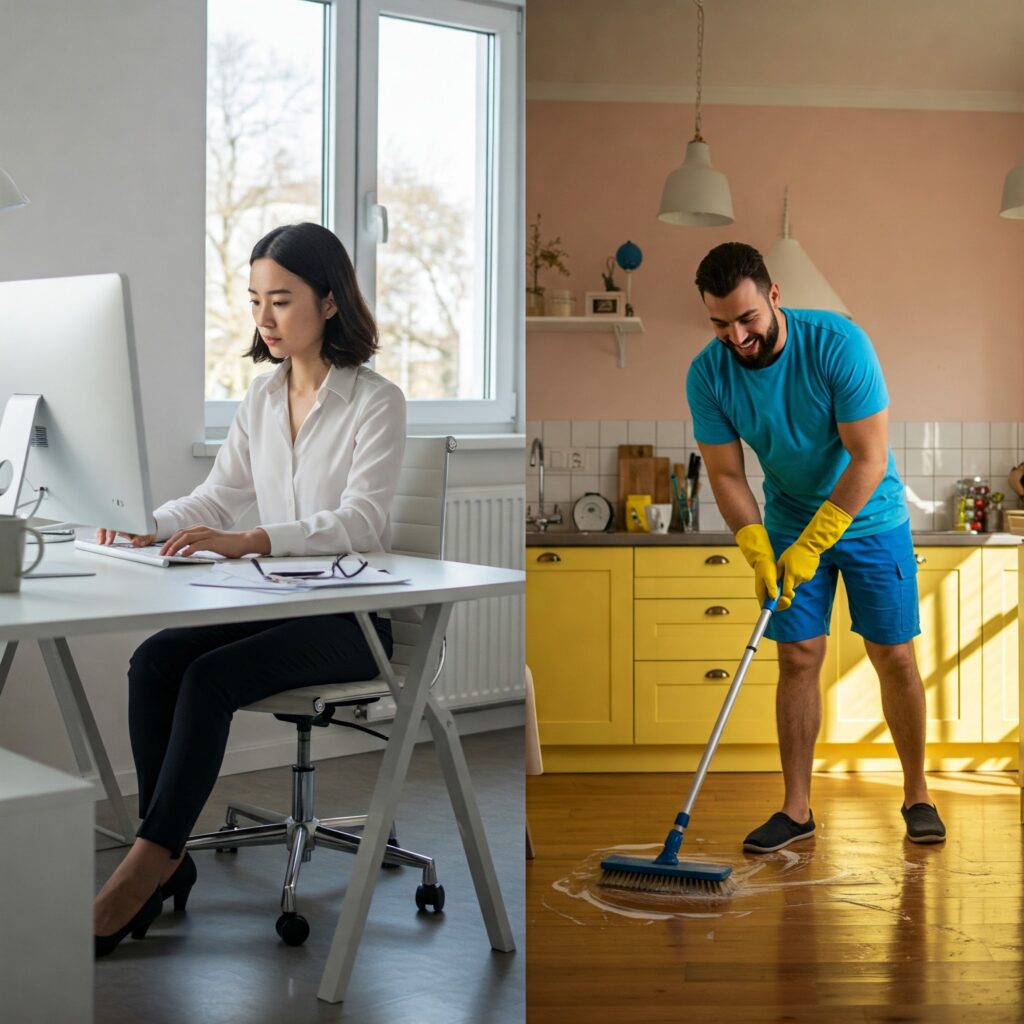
<point x="799" y="562"/>
<point x="753" y="541"/>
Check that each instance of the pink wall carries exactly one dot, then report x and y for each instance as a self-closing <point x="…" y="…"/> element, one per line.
<point x="898" y="209"/>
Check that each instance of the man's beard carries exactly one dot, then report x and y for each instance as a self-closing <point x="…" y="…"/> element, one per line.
<point x="765" y="353"/>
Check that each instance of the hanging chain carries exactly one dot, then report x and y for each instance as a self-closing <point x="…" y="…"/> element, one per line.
<point x="700" y="68"/>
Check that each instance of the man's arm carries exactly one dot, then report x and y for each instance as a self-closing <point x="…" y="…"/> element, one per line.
<point x="867" y="441"/>
<point x="724" y="463"/>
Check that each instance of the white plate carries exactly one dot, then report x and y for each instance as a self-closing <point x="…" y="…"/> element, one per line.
<point x="592" y="513"/>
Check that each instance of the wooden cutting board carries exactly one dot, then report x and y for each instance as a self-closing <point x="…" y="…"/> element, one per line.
<point x="662" y="485"/>
<point x="636" y="475"/>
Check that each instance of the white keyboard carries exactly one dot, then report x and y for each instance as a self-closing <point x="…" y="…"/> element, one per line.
<point x="149" y="555"/>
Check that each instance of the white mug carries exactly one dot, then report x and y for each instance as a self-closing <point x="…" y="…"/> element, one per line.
<point x="12" y="552"/>
<point x="658" y="517"/>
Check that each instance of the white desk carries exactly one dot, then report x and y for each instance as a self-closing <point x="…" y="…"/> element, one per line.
<point x="127" y="596"/>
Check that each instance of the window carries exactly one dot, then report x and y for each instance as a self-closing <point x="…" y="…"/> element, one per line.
<point x="401" y="121"/>
<point x="264" y="158"/>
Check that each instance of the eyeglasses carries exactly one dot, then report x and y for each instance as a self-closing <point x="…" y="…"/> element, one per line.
<point x="338" y="568"/>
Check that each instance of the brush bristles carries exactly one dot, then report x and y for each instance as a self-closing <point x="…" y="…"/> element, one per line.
<point x="671" y="886"/>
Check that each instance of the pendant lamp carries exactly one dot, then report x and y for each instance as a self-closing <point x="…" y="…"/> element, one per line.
<point x="695" y="194"/>
<point x="10" y="195"/>
<point x="1013" y="194"/>
<point x="801" y="284"/>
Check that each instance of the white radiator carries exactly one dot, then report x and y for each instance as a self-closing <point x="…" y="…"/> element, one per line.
<point x="485" y="651"/>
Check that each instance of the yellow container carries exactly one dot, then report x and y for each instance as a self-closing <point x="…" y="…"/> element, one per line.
<point x="636" y="512"/>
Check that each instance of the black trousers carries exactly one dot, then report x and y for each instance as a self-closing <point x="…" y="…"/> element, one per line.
<point x="184" y="686"/>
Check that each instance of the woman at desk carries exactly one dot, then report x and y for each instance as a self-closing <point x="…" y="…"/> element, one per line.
<point x="317" y="444"/>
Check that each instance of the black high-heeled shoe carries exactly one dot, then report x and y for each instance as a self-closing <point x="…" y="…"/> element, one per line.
<point x="138" y="926"/>
<point x="179" y="885"/>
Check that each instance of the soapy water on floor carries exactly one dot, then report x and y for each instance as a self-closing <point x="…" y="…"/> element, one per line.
<point x="790" y="872"/>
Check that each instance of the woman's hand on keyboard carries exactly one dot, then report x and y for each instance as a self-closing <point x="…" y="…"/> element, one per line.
<point x="137" y="540"/>
<point x="229" y="543"/>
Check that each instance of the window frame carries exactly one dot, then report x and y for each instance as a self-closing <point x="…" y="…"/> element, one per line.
<point x="350" y="176"/>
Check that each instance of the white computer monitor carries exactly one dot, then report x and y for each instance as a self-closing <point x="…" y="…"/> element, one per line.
<point x="69" y="399"/>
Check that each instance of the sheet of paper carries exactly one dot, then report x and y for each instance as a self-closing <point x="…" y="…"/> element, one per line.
<point x="243" y="575"/>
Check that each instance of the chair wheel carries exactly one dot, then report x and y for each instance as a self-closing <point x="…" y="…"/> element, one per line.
<point x="226" y="849"/>
<point x="293" y="929"/>
<point x="430" y="896"/>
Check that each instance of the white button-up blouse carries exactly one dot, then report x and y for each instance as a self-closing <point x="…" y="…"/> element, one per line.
<point x="327" y="494"/>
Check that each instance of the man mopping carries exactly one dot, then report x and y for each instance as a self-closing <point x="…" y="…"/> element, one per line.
<point x="804" y="389"/>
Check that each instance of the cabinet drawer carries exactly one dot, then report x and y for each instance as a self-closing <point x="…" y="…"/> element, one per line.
<point x="715" y="563"/>
<point x="702" y="628"/>
<point x="694" y="586"/>
<point x="677" y="703"/>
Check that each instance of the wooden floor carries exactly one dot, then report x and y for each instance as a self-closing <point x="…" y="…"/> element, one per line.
<point x="856" y="924"/>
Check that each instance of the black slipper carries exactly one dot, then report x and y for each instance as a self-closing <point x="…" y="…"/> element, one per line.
<point x="778" y="831"/>
<point x="923" y="824"/>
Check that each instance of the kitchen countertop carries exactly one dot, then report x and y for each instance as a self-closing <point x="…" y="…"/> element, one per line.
<point x="622" y="538"/>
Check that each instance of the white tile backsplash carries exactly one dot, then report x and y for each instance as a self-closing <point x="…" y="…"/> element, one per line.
<point x="671" y="434"/>
<point x="557" y="433"/>
<point x="947" y="435"/>
<point x="613" y="433"/>
<point x="1003" y="435"/>
<point x="930" y="457"/>
<point x="976" y="462"/>
<point x="1001" y="461"/>
<point x="976" y="435"/>
<point x="642" y="432"/>
<point x="584" y="434"/>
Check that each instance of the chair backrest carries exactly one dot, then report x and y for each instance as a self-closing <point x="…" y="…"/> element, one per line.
<point x="417" y="522"/>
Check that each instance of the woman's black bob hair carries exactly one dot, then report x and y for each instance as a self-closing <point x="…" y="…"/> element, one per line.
<point x="317" y="256"/>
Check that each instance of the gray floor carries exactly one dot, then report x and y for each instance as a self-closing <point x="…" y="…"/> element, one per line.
<point x="222" y="960"/>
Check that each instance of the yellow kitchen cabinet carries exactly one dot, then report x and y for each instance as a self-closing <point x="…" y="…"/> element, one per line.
<point x="1000" y="632"/>
<point x="949" y="656"/>
<point x="694" y="613"/>
<point x="579" y="643"/>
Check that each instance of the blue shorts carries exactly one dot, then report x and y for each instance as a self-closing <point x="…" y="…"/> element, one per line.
<point x="880" y="574"/>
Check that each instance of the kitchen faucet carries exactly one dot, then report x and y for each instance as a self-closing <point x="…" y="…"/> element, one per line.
<point x="540" y="520"/>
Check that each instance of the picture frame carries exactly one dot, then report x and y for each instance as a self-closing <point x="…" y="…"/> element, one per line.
<point x="608" y="305"/>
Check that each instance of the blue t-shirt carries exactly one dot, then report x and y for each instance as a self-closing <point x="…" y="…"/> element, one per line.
<point x="827" y="372"/>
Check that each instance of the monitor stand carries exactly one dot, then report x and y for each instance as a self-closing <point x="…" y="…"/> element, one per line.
<point x="15" y="438"/>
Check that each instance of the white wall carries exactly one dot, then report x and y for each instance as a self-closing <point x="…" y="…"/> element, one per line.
<point x="102" y="125"/>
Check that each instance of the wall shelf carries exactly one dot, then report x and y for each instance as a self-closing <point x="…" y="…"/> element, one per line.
<point x="619" y="326"/>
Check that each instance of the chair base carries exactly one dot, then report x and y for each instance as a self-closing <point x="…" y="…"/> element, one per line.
<point x="301" y="831"/>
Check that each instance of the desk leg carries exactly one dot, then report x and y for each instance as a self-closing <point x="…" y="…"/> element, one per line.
<point x="471" y="827"/>
<point x="81" y="727"/>
<point x="383" y="806"/>
<point x="10" y="649"/>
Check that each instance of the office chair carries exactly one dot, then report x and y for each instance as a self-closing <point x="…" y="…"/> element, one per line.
<point x="417" y="528"/>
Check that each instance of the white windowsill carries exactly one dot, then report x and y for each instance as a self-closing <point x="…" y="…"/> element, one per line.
<point x="466" y="442"/>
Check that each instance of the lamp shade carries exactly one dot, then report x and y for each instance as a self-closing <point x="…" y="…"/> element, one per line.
<point x="1013" y="194"/>
<point x="695" y="194"/>
<point x="10" y="194"/>
<point x="801" y="284"/>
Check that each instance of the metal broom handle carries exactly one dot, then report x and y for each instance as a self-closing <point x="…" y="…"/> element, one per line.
<point x="730" y="699"/>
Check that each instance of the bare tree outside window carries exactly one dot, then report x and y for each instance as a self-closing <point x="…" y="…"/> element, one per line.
<point x="264" y="154"/>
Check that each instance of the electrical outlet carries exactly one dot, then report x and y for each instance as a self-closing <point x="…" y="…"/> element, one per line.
<point x="566" y="460"/>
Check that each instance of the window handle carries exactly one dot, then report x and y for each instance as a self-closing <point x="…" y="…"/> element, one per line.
<point x="376" y="218"/>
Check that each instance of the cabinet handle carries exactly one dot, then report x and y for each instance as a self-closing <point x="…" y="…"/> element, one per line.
<point x="716" y="560"/>
<point x="716" y="673"/>
<point x="920" y="559"/>
<point x="549" y="556"/>
<point x="716" y="609"/>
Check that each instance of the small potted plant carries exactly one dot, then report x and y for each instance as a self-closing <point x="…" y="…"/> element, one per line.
<point x="541" y="255"/>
